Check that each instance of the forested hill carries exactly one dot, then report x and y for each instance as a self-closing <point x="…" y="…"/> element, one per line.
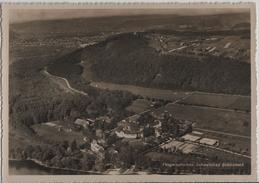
<point x="128" y="59"/>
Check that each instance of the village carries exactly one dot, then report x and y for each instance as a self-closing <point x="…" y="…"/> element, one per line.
<point x="155" y="133"/>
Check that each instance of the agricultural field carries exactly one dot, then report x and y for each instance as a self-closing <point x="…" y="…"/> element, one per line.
<point x="235" y="102"/>
<point x="221" y="156"/>
<point x="139" y="105"/>
<point x="169" y="95"/>
<point x="232" y="143"/>
<point x="220" y="120"/>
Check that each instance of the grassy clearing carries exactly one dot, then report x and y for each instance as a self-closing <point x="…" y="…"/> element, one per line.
<point x="54" y="135"/>
<point x="212" y="119"/>
<point x="145" y="92"/>
<point x="234" y="102"/>
<point x="139" y="106"/>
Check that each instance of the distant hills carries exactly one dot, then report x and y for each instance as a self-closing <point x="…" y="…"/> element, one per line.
<point x="95" y="26"/>
<point x="128" y="59"/>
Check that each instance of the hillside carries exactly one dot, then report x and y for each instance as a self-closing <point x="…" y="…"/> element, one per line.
<point x="104" y="25"/>
<point x="128" y="59"/>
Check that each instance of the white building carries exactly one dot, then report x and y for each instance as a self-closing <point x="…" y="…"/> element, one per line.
<point x="123" y="134"/>
<point x="208" y="141"/>
<point x="191" y="138"/>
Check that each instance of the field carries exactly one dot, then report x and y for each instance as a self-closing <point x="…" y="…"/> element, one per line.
<point x="18" y="138"/>
<point x="139" y="106"/>
<point x="221" y="156"/>
<point x="234" y="102"/>
<point x="145" y="92"/>
<point x="232" y="143"/>
<point x="52" y="134"/>
<point x="221" y="120"/>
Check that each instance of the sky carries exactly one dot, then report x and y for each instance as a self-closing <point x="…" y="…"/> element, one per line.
<point x="23" y="15"/>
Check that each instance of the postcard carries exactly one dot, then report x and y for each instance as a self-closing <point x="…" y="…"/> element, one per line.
<point x="161" y="92"/>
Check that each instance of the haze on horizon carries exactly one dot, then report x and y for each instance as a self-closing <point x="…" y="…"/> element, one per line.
<point x="24" y="15"/>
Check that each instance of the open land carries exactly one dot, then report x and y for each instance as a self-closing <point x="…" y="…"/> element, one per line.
<point x="214" y="119"/>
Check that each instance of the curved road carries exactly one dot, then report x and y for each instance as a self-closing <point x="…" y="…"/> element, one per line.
<point x="67" y="84"/>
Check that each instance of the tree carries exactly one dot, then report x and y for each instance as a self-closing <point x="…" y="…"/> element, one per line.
<point x="148" y="131"/>
<point x="126" y="155"/>
<point x="73" y="145"/>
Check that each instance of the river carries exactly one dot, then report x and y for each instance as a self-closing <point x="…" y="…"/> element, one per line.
<point x="28" y="167"/>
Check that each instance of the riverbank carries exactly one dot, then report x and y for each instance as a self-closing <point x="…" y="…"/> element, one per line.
<point x="23" y="167"/>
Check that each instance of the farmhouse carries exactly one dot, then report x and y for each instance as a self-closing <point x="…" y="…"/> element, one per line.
<point x="208" y="141"/>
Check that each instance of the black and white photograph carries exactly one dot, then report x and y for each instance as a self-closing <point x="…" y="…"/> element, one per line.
<point x="157" y="91"/>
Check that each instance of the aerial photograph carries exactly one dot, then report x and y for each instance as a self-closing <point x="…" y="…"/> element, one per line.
<point x="130" y="91"/>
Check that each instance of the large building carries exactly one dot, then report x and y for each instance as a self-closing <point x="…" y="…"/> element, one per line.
<point x="129" y="130"/>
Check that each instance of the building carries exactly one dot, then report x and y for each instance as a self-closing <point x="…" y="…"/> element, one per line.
<point x="158" y="124"/>
<point x="197" y="133"/>
<point x="105" y="119"/>
<point x="191" y="138"/>
<point x="96" y="148"/>
<point x="122" y="134"/>
<point x="82" y="122"/>
<point x="208" y="141"/>
<point x="184" y="127"/>
<point x="129" y="130"/>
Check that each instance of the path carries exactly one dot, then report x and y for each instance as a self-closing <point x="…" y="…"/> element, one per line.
<point x="68" y="86"/>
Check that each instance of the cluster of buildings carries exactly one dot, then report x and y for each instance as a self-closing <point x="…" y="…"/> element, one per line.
<point x="188" y="143"/>
<point x="129" y="129"/>
<point x="86" y="123"/>
<point x="133" y="128"/>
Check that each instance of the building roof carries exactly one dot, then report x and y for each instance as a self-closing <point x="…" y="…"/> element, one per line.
<point x="208" y="141"/>
<point x="79" y="121"/>
<point x="197" y="133"/>
<point x="191" y="137"/>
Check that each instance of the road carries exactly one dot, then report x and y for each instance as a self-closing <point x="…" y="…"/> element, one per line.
<point x="221" y="94"/>
<point x="215" y="108"/>
<point x="220" y="149"/>
<point x="222" y="133"/>
<point x="182" y="98"/>
<point x="68" y="86"/>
